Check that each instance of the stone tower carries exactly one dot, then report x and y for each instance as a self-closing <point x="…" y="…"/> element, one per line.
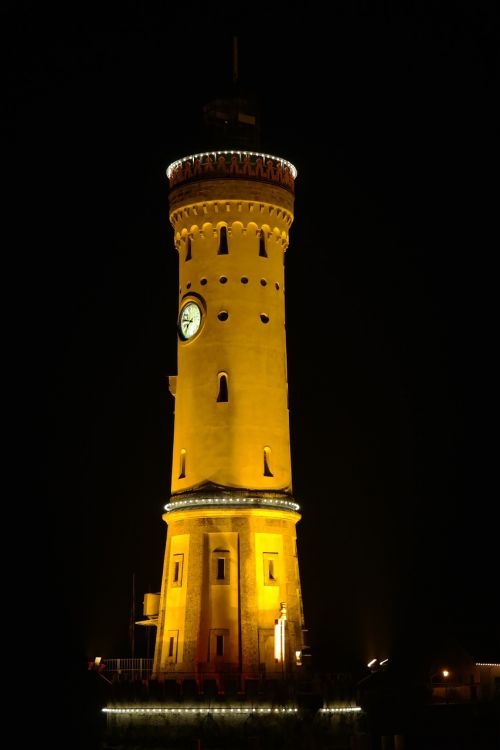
<point x="230" y="602"/>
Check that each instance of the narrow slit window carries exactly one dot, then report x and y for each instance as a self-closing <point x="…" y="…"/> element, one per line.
<point x="172" y="639"/>
<point x="182" y="467"/>
<point x="267" y="470"/>
<point x="177" y="565"/>
<point x="220" y="570"/>
<point x="262" y="244"/>
<point x="219" y="645"/>
<point x="223" y="395"/>
<point x="223" y="246"/>
<point x="271" y="572"/>
<point x="188" y="248"/>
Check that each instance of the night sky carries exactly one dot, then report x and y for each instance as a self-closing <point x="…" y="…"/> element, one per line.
<point x="390" y="296"/>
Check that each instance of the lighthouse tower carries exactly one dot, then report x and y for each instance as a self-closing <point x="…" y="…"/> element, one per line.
<point x="230" y="601"/>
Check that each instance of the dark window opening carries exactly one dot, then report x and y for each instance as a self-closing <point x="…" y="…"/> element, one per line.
<point x="264" y="318"/>
<point x="182" y="469"/>
<point x="270" y="570"/>
<point x="203" y="282"/>
<point x="223" y="395"/>
<point x="177" y="563"/>
<point x="221" y="568"/>
<point x="262" y="244"/>
<point x="223" y="279"/>
<point x="244" y="280"/>
<point x="171" y="645"/>
<point x="223" y="247"/>
<point x="219" y="645"/>
<point x="223" y="315"/>
<point x="267" y="470"/>
<point x="188" y="248"/>
<point x="263" y="282"/>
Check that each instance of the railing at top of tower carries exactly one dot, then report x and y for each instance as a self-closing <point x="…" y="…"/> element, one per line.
<point x="240" y="164"/>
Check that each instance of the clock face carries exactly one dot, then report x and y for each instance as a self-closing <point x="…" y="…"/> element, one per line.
<point x="189" y="320"/>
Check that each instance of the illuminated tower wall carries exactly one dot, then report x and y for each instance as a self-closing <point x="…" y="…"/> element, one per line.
<point x="230" y="599"/>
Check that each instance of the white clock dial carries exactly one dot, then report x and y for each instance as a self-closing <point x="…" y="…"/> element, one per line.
<point x="189" y="320"/>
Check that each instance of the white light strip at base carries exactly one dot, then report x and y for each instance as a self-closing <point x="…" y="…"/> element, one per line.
<point x="341" y="710"/>
<point x="206" y="710"/>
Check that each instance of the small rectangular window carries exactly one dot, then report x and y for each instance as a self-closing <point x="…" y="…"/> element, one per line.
<point x="172" y="640"/>
<point x="220" y="569"/>
<point x="177" y="569"/>
<point x="271" y="572"/>
<point x="218" y="645"/>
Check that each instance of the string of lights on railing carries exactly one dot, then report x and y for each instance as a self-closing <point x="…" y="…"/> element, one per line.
<point x="341" y="710"/>
<point x="486" y="664"/>
<point x="241" y="154"/>
<point x="274" y="502"/>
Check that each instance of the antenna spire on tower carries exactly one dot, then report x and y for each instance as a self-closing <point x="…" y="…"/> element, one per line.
<point x="235" y="59"/>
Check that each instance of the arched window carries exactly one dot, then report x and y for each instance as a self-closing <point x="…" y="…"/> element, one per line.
<point x="262" y="244"/>
<point x="182" y="467"/>
<point x="267" y="455"/>
<point x="223" y="246"/>
<point x="223" y="395"/>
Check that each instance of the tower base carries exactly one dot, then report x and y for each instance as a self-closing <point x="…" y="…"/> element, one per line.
<point x="230" y="605"/>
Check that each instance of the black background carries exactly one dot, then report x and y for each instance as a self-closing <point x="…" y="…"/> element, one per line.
<point x="389" y="116"/>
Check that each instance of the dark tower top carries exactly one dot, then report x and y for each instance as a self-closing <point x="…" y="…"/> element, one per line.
<point x="232" y="122"/>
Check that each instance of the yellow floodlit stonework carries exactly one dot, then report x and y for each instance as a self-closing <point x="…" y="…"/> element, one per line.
<point x="231" y="556"/>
